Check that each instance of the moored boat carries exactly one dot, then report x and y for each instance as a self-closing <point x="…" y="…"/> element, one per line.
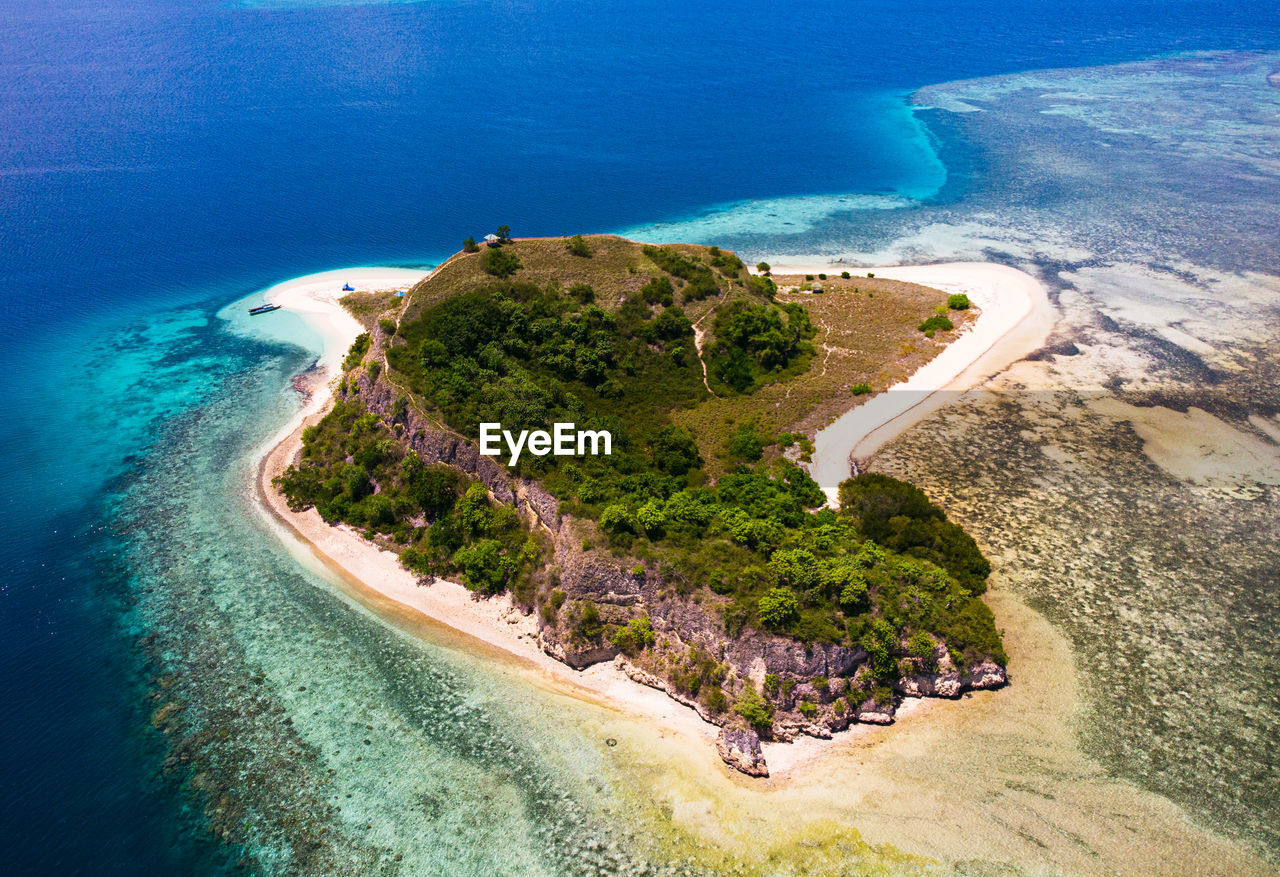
<point x="263" y="309"/>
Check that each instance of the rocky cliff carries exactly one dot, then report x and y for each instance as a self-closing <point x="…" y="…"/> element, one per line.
<point x="812" y="689"/>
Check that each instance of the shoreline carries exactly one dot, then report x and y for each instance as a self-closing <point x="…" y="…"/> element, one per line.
<point x="1014" y="320"/>
<point x="314" y="298"/>
<point x="375" y="578"/>
<point x="446" y="610"/>
<point x="864" y="783"/>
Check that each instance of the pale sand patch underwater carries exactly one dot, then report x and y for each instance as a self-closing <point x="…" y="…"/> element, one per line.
<point x="997" y="777"/>
<point x="1197" y="447"/>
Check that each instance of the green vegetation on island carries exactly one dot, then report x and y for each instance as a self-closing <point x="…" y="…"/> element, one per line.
<point x="719" y="519"/>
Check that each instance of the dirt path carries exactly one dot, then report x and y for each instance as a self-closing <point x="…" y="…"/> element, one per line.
<point x="697" y="343"/>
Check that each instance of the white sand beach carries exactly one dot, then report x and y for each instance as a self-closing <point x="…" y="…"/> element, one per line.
<point x="493" y="625"/>
<point x="315" y="297"/>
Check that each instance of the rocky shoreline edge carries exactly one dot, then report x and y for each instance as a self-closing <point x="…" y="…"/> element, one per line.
<point x="618" y="587"/>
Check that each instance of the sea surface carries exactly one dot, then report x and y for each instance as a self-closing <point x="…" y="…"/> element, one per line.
<point x="185" y="693"/>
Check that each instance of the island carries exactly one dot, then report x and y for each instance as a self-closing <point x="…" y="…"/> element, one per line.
<point x="617" y="438"/>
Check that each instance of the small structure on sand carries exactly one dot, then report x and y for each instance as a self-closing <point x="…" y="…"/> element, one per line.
<point x="817" y="288"/>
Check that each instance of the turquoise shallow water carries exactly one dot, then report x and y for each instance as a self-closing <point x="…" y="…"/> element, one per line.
<point x="160" y="161"/>
<point x="347" y="738"/>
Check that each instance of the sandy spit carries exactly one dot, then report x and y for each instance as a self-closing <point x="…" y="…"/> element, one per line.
<point x="1015" y="318"/>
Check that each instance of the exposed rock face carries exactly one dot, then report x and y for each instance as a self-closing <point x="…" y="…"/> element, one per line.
<point x="941" y="685"/>
<point x="786" y="656"/>
<point x="947" y="681"/>
<point x="621" y="588"/>
<point x="577" y="655"/>
<point x="987" y="674"/>
<point x="600" y="577"/>
<point x="740" y="749"/>
<point x="437" y="445"/>
<point x="580" y="659"/>
<point x="790" y="729"/>
<point x="872" y="713"/>
<point x="544" y="507"/>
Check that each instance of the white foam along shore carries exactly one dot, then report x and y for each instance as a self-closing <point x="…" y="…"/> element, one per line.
<point x="1014" y="320"/>
<point x="375" y="578"/>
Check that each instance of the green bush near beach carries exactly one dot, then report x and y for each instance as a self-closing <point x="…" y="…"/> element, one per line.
<point x="936" y="323"/>
<point x="353" y="470"/>
<point x="359" y="348"/>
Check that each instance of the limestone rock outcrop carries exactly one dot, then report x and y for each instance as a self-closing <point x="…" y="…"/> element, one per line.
<point x="740" y="749"/>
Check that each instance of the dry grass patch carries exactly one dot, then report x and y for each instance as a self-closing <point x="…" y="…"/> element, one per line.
<point x="369" y="307"/>
<point x="867" y="327"/>
<point x="616" y="268"/>
<point x="867" y="333"/>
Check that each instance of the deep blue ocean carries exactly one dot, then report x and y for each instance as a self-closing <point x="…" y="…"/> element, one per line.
<point x="159" y="160"/>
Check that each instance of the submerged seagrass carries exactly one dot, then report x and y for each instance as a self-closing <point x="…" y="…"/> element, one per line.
<point x="698" y="554"/>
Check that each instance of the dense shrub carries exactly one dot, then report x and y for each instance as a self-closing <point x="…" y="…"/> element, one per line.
<point x="675" y="450"/>
<point x="759" y="342"/>
<point x="617" y="519"/>
<point x="354" y="470"/>
<point x="658" y="291"/>
<point x="500" y="263"/>
<point x="356" y="353"/>
<point x="635" y="637"/>
<point x="587" y="627"/>
<point x="778" y="609"/>
<point x="746" y="443"/>
<point x="899" y="516"/>
<point x="754" y="709"/>
<point x="729" y="264"/>
<point x="936" y="323"/>
<point x="762" y="286"/>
